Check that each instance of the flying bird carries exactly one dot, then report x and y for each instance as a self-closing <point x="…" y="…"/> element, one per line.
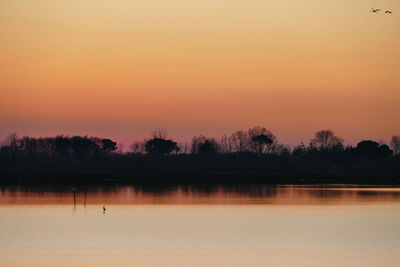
<point x="374" y="10"/>
<point x="388" y="12"/>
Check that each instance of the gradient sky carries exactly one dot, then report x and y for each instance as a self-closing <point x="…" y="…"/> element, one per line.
<point x="122" y="68"/>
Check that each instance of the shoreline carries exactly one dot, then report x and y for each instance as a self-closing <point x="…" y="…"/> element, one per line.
<point x="46" y="176"/>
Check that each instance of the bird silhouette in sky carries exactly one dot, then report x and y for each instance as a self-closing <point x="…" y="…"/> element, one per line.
<point x="374" y="10"/>
<point x="388" y="12"/>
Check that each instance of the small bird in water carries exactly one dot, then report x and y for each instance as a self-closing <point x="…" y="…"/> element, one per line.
<point x="104" y="209"/>
<point x="388" y="12"/>
<point x="374" y="10"/>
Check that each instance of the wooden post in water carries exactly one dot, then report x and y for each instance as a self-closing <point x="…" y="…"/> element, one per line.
<point x="74" y="191"/>
<point x="84" y="203"/>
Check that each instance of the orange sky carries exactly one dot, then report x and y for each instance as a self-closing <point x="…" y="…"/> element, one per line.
<point x="123" y="68"/>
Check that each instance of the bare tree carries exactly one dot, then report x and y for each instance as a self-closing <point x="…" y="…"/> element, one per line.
<point x="11" y="143"/>
<point x="239" y="141"/>
<point x="11" y="140"/>
<point x="160" y="133"/>
<point x="225" y="144"/>
<point x="138" y="147"/>
<point x="395" y="144"/>
<point x="326" y="140"/>
<point x="184" y="148"/>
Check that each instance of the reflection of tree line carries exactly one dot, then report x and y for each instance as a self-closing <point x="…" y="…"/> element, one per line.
<point x="207" y="190"/>
<point x="255" y="150"/>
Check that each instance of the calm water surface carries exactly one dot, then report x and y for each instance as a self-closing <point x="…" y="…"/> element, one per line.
<point x="203" y="225"/>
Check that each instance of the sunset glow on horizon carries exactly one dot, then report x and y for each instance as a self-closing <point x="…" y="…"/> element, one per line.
<point x="123" y="68"/>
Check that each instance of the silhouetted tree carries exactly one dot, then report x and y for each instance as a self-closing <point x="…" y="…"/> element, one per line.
<point x="261" y="142"/>
<point x="240" y="149"/>
<point x="299" y="150"/>
<point x="138" y="147"/>
<point x="29" y="146"/>
<point x="161" y="146"/>
<point x="225" y="144"/>
<point x="260" y="139"/>
<point x="239" y="141"/>
<point x="107" y="146"/>
<point x="201" y="144"/>
<point x="184" y="148"/>
<point x="367" y="147"/>
<point x="84" y="147"/>
<point x="62" y="145"/>
<point x="281" y="150"/>
<point x="326" y="140"/>
<point x="10" y="145"/>
<point x="372" y="149"/>
<point x="209" y="146"/>
<point x="384" y="151"/>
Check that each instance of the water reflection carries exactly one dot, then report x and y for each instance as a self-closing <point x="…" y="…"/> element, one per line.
<point x="196" y="194"/>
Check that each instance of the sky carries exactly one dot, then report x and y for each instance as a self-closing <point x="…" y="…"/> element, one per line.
<point x="123" y="68"/>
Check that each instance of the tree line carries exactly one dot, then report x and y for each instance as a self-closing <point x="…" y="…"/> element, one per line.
<point x="257" y="140"/>
<point x="255" y="152"/>
<point x="59" y="146"/>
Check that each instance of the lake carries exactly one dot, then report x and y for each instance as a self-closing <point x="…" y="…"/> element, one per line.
<point x="199" y="225"/>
